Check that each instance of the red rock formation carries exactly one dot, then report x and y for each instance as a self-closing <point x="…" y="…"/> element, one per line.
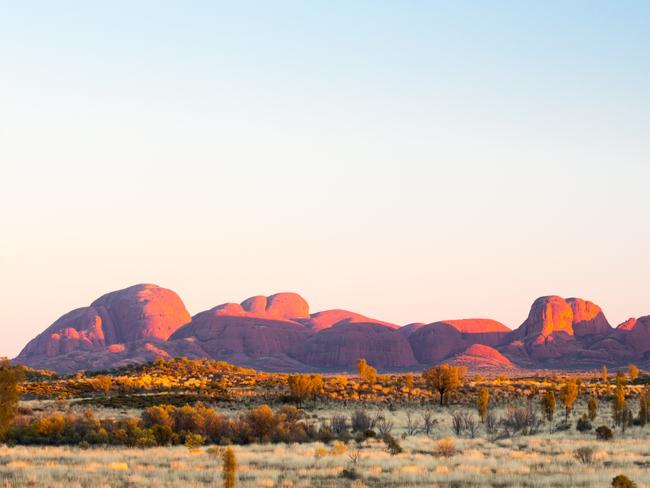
<point x="477" y="326"/>
<point x="637" y="336"/>
<point x="144" y="312"/>
<point x="340" y="346"/>
<point x="124" y="316"/>
<point x="142" y="322"/>
<point x="328" y="318"/>
<point x="432" y="343"/>
<point x="627" y="325"/>
<point x="547" y="316"/>
<point x="481" y="357"/>
<point x="240" y="336"/>
<point x="588" y="318"/>
<point x="435" y="342"/>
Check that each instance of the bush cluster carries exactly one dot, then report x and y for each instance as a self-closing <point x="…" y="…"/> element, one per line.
<point x="165" y="425"/>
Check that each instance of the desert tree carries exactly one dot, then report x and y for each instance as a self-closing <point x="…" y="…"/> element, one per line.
<point x="229" y="468"/>
<point x="592" y="408"/>
<point x="303" y="386"/>
<point x="10" y="378"/>
<point x="428" y="421"/>
<point x="619" y="406"/>
<point x="103" y="384"/>
<point x="366" y="372"/>
<point x="568" y="396"/>
<point x="644" y="406"/>
<point x="483" y="403"/>
<point x="444" y="379"/>
<point x="632" y="372"/>
<point x="548" y="405"/>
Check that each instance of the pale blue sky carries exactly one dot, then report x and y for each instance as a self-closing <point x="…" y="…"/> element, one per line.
<point x="412" y="161"/>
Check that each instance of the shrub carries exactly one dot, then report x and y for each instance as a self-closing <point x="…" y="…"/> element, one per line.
<point x="338" y="448"/>
<point x="384" y="426"/>
<point x="584" y="454"/>
<point x="446" y="447"/>
<point x="622" y="481"/>
<point x="491" y="423"/>
<point x="350" y="474"/>
<point x="194" y="441"/>
<point x="522" y="420"/>
<point x="604" y="433"/>
<point x="562" y="426"/>
<point x="339" y="425"/>
<point x="361" y="421"/>
<point x="392" y="445"/>
<point x="583" y="424"/>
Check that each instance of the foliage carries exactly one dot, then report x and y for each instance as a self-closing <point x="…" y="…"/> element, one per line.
<point x="361" y="421"/>
<point x="229" y="468"/>
<point x="303" y="386"/>
<point x="632" y="372"/>
<point x="592" y="408"/>
<point x="585" y="455"/>
<point x="444" y="379"/>
<point x="568" y="396"/>
<point x="520" y="420"/>
<point x="583" y="424"/>
<point x="619" y="406"/>
<point x="366" y="372"/>
<point x="446" y="447"/>
<point x="483" y="403"/>
<point x="392" y="445"/>
<point x="10" y="378"/>
<point x="604" y="433"/>
<point x="548" y="405"/>
<point x="622" y="481"/>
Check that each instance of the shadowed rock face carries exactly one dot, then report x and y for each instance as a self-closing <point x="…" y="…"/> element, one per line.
<point x="328" y="318"/>
<point x="340" y="346"/>
<point x="588" y="318"/>
<point x="434" y="342"/>
<point x="223" y="336"/>
<point x="277" y="332"/>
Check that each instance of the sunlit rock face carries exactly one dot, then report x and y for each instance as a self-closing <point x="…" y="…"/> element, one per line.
<point x="548" y="315"/>
<point x="627" y="325"/>
<point x="144" y="312"/>
<point x="125" y="316"/>
<point x="278" y="333"/>
<point x="482" y="357"/>
<point x="280" y="305"/>
<point x="328" y="318"/>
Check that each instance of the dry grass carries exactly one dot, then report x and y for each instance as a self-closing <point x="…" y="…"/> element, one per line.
<point x="537" y="461"/>
<point x="543" y="460"/>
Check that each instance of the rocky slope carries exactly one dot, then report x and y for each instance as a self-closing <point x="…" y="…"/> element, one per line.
<point x="279" y="333"/>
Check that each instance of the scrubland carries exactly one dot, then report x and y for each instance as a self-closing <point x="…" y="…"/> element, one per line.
<point x="542" y="460"/>
<point x="167" y="425"/>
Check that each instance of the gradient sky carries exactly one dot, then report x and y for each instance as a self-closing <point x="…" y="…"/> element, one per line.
<point x="412" y="161"/>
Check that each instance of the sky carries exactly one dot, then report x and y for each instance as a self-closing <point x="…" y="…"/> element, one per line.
<point x="411" y="161"/>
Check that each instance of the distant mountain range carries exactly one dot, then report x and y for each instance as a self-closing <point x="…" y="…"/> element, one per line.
<point x="278" y="333"/>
